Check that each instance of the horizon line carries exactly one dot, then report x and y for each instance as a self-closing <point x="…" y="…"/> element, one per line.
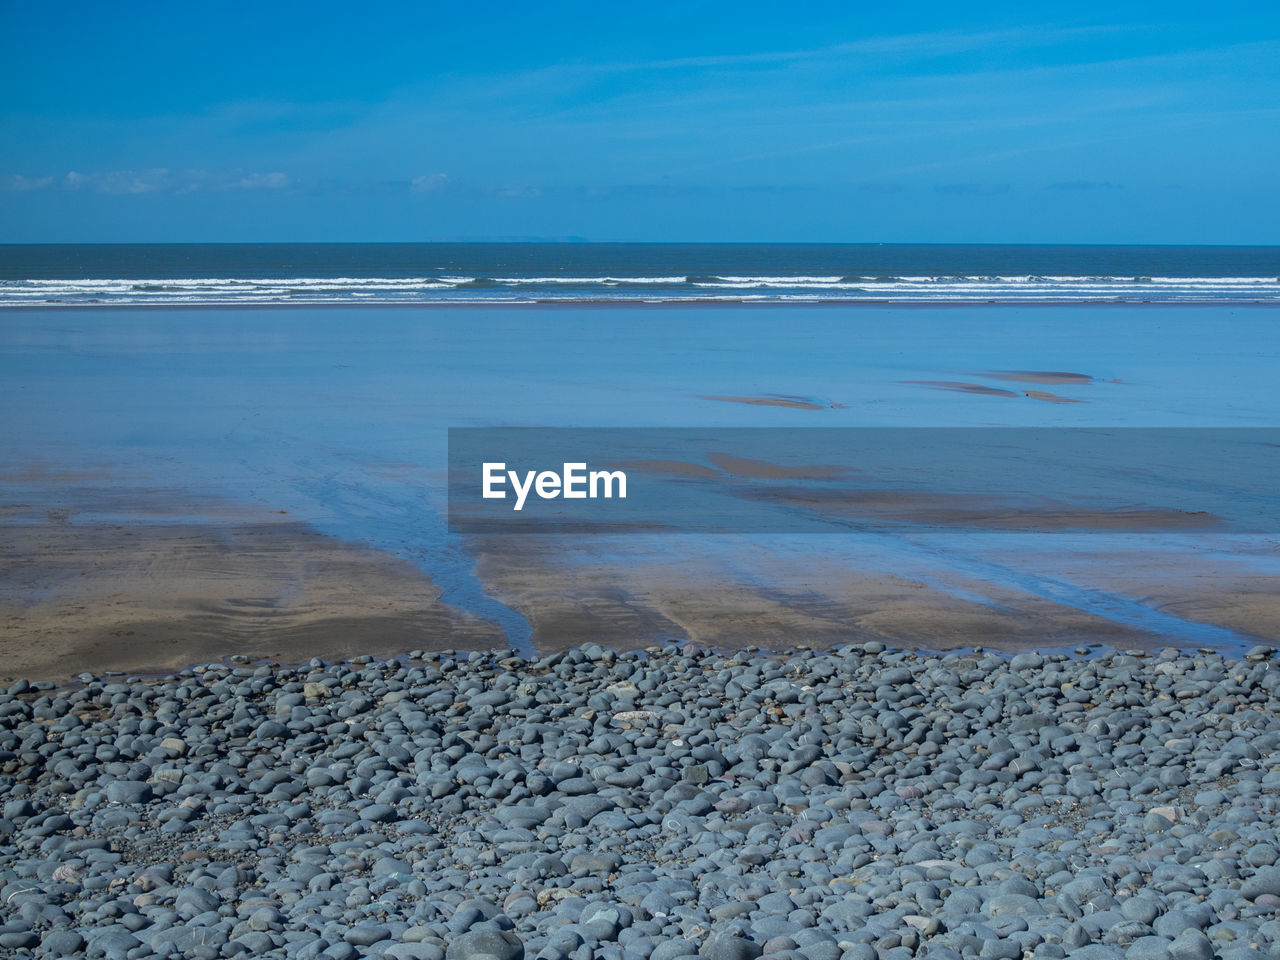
<point x="583" y="241"/>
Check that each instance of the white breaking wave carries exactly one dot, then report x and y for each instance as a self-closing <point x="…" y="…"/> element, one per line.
<point x="482" y="289"/>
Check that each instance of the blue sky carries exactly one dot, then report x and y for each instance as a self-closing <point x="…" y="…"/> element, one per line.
<point x="910" y="122"/>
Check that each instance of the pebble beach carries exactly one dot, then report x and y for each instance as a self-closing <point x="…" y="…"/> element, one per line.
<point x="856" y="804"/>
<point x="639" y="482"/>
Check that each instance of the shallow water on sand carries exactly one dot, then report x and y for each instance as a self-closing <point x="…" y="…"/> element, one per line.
<point x="338" y="418"/>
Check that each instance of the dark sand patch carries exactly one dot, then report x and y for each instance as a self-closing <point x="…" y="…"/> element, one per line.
<point x="943" y="511"/>
<point x="1047" y="377"/>
<point x="764" y="470"/>
<point x="779" y="400"/>
<point x="792" y="396"/>
<point x="1050" y="397"/>
<point x="961" y="387"/>
<point x="155" y="596"/>
<point x="735" y="466"/>
<point x="670" y="468"/>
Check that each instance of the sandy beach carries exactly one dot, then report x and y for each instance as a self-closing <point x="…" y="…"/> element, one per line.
<point x="149" y="597"/>
<point x="97" y="584"/>
<point x="158" y="596"/>
<point x="629" y="602"/>
<point x="278" y="490"/>
<point x="639" y="482"/>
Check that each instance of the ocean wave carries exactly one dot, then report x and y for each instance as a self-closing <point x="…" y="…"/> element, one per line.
<point x="648" y="288"/>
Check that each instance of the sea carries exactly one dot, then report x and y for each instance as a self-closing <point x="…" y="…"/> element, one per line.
<point x="318" y="273"/>
<point x="310" y="381"/>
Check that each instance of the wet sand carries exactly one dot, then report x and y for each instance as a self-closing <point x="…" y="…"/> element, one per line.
<point x="154" y="595"/>
<point x="629" y="595"/>
<point x="324" y="432"/>
<point x="572" y="592"/>
<point x="1048" y="377"/>
<point x="764" y="470"/>
<point x="727" y="464"/>
<point x="157" y="596"/>
<point x="1042" y="377"/>
<point x="1050" y="397"/>
<point x="1250" y="607"/>
<point x="780" y="400"/>
<point x="958" y="386"/>
<point x="176" y="578"/>
<point x="943" y="511"/>
<point x="669" y="468"/>
<point x="1237" y="590"/>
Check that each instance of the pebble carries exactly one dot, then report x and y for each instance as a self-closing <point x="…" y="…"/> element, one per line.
<point x="366" y="934"/>
<point x="732" y="948"/>
<point x="486" y="945"/>
<point x="1191" y="945"/>
<point x="856" y="804"/>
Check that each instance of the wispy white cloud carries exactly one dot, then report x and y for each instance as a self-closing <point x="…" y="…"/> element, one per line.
<point x="154" y="180"/>
<point x="428" y="183"/>
<point x="264" y="181"/>
<point x="923" y="44"/>
<point x="1084" y="185"/>
<point x="512" y="192"/>
<point x="973" y="189"/>
<point x="867" y="110"/>
<point x="556" y="88"/>
<point x="119" y="181"/>
<point x="20" y="184"/>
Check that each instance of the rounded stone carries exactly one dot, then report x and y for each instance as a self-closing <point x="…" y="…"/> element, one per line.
<point x="486" y="944"/>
